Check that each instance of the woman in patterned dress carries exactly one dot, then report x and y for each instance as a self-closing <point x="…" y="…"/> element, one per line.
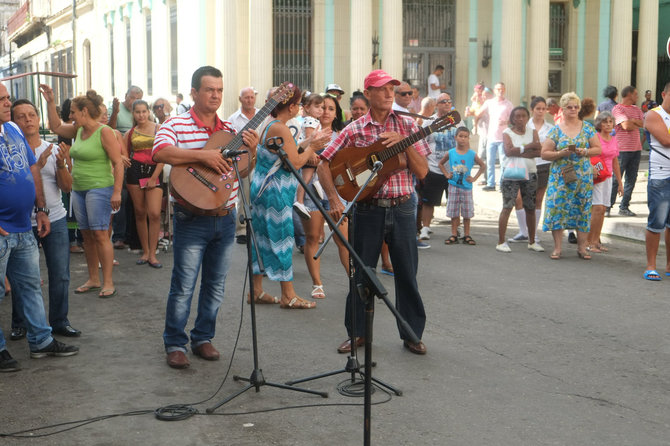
<point x="568" y="204"/>
<point x="272" y="194"/>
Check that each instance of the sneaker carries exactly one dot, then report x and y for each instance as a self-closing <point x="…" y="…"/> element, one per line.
<point x="7" y="363"/>
<point x="422" y="245"/>
<point x="56" y="348"/>
<point x="424" y="234"/>
<point x="503" y="247"/>
<point x="301" y="210"/>
<point x="572" y="238"/>
<point x="518" y="238"/>
<point x="627" y="212"/>
<point x="535" y="247"/>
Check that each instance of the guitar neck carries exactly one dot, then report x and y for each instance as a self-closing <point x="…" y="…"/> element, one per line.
<point x="403" y="144"/>
<point x="253" y="124"/>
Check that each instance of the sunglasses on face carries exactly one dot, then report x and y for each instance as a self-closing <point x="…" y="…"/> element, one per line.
<point x="404" y="93"/>
<point x="445" y="101"/>
<point x="572" y="107"/>
<point x="159" y="106"/>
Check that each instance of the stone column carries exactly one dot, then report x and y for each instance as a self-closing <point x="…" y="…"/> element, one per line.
<point x="621" y="42"/>
<point x="226" y="34"/>
<point x="391" y="38"/>
<point x="260" y="46"/>
<point x="360" y="48"/>
<point x="510" y="49"/>
<point x="647" y="44"/>
<point x="538" y="48"/>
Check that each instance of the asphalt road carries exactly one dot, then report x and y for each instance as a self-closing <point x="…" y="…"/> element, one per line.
<point x="522" y="350"/>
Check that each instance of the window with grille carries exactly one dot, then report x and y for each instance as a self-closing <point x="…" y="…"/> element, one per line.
<point x="292" y="22"/>
<point x="557" y="31"/>
<point x="429" y="23"/>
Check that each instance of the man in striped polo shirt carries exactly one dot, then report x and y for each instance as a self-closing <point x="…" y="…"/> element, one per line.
<point x="200" y="238"/>
<point x="628" y="119"/>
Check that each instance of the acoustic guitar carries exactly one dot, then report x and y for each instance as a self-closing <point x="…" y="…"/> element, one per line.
<point x="202" y="187"/>
<point x="351" y="166"/>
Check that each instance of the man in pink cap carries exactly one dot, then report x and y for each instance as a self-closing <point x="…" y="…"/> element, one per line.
<point x="390" y="215"/>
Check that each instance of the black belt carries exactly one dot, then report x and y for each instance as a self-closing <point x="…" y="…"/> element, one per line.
<point x="221" y="212"/>
<point x="388" y="202"/>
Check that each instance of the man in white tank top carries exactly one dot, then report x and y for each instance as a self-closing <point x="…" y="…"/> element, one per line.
<point x="657" y="122"/>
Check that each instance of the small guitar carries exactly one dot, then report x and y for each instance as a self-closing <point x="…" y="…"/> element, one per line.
<point x="201" y="186"/>
<point x="351" y="166"/>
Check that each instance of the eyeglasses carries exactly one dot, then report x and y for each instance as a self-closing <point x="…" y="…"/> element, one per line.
<point x="572" y="107"/>
<point x="404" y="93"/>
<point x="445" y="101"/>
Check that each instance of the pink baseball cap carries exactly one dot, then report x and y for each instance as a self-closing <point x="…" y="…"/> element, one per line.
<point x="378" y="78"/>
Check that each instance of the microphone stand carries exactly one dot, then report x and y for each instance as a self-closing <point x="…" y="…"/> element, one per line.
<point x="352" y="366"/>
<point x="370" y="287"/>
<point x="256" y="379"/>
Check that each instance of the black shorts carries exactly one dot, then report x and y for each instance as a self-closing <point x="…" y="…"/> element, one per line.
<point x="138" y="170"/>
<point x="432" y="188"/>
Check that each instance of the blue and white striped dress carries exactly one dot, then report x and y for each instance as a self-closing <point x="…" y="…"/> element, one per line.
<point x="272" y="213"/>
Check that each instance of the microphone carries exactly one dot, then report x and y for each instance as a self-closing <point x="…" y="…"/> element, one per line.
<point x="231" y="153"/>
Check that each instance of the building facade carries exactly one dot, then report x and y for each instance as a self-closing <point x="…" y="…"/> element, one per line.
<point x="537" y="47"/>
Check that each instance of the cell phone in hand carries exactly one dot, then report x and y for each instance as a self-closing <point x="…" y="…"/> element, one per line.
<point x="572" y="147"/>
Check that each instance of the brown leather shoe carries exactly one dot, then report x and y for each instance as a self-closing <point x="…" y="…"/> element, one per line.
<point x="345" y="347"/>
<point x="206" y="351"/>
<point x="177" y="360"/>
<point x="417" y="349"/>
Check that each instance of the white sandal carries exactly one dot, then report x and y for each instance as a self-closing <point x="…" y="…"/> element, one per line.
<point x="317" y="290"/>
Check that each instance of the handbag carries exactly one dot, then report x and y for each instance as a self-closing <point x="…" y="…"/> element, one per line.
<point x="515" y="170"/>
<point x="569" y="174"/>
<point x="600" y="170"/>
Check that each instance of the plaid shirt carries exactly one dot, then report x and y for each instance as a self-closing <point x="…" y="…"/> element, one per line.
<point x="364" y="132"/>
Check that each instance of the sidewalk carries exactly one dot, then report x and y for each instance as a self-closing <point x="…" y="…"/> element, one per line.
<point x="632" y="228"/>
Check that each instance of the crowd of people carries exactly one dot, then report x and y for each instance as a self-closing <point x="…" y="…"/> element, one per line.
<point x="555" y="155"/>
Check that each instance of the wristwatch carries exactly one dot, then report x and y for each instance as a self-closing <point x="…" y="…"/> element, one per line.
<point x="45" y="210"/>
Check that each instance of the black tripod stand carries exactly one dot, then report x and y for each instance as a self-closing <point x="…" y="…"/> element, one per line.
<point x="352" y="366"/>
<point x="369" y="287"/>
<point x="256" y="380"/>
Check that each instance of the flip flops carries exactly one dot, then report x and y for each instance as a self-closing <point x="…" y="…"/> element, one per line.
<point x="653" y="275"/>
<point x="106" y="293"/>
<point x="86" y="289"/>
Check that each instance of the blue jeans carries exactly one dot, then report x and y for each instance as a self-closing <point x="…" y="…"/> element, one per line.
<point x="20" y="261"/>
<point x="205" y="242"/>
<point x="397" y="226"/>
<point x="629" y="163"/>
<point x="658" y="201"/>
<point x="493" y="150"/>
<point x="56" y="247"/>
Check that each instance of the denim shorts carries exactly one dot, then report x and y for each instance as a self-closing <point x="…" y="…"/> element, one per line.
<point x="658" y="201"/>
<point x="93" y="208"/>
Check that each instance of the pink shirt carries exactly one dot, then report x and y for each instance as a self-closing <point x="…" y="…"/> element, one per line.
<point x="628" y="140"/>
<point x="498" y="110"/>
<point x="610" y="151"/>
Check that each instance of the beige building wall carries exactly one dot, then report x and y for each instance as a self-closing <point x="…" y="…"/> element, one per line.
<point x="342" y="65"/>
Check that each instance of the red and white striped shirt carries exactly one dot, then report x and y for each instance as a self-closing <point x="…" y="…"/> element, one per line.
<point x="364" y="132"/>
<point x="187" y="131"/>
<point x="627" y="140"/>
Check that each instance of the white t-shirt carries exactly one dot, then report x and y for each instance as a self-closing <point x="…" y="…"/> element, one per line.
<point x="542" y="133"/>
<point x="433" y="80"/>
<point x="239" y="119"/>
<point x="517" y="141"/>
<point x="52" y="193"/>
<point x="309" y="122"/>
<point x="659" y="166"/>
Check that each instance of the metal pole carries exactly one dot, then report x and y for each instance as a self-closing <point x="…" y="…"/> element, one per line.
<point x="74" y="47"/>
